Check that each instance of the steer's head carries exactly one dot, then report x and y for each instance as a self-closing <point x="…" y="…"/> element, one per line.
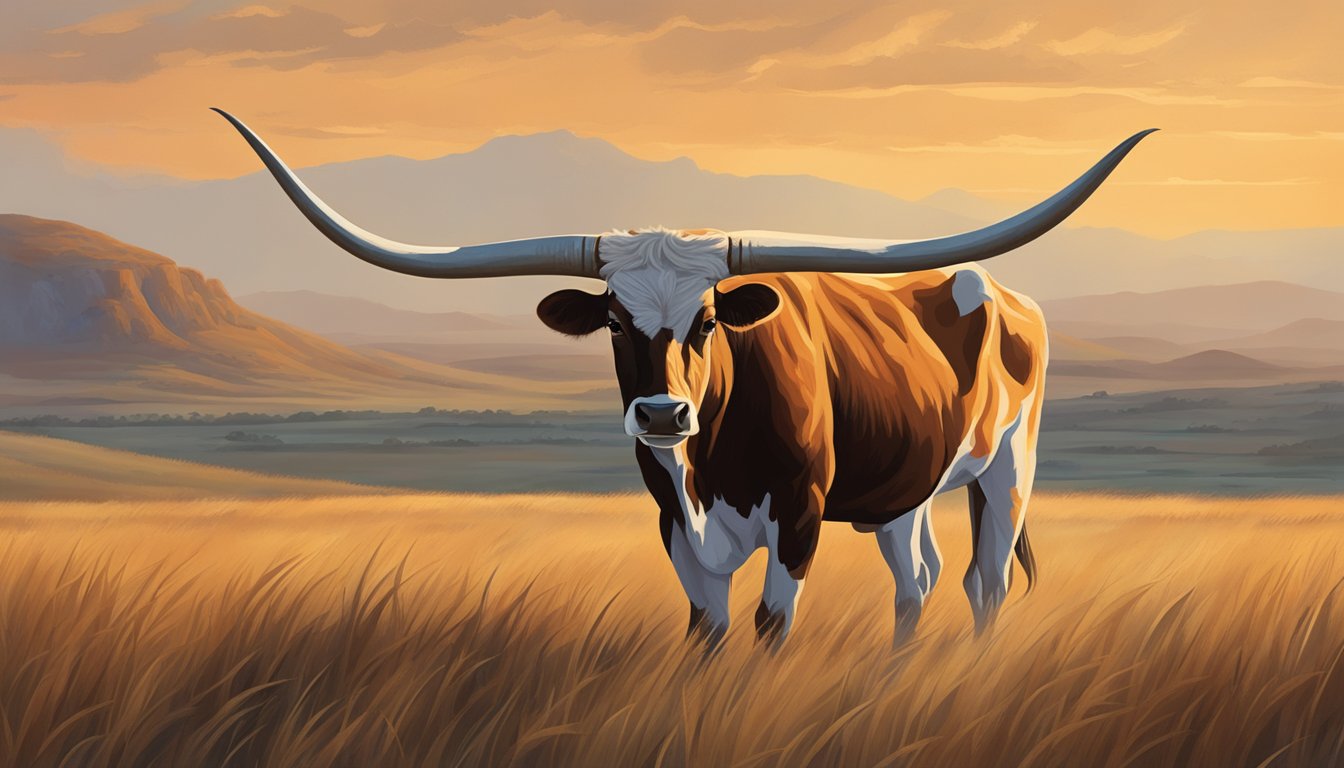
<point x="662" y="304"/>
<point x="664" y="312"/>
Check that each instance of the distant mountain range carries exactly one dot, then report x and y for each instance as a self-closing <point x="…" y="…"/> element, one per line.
<point x="1292" y="327"/>
<point x="1312" y="333"/>
<point x="1254" y="306"/>
<point x="245" y="232"/>
<point x="86" y="319"/>
<point x="1250" y="333"/>
<point x="1209" y="365"/>
<point x="512" y="345"/>
<point x="361" y="320"/>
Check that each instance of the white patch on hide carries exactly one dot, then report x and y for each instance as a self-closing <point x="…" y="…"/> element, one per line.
<point x="659" y="275"/>
<point x="969" y="291"/>
<point x="721" y="538"/>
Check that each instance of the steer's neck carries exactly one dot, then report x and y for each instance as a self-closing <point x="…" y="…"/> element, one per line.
<point x="718" y="392"/>
<point x="724" y="460"/>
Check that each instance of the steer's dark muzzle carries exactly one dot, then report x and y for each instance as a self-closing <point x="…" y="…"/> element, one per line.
<point x="663" y="418"/>
<point x="661" y="421"/>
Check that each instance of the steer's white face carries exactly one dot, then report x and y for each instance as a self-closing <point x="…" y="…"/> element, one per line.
<point x="664" y="280"/>
<point x="660" y="276"/>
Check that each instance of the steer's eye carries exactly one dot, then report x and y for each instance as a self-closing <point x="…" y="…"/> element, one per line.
<point x="615" y="326"/>
<point x="708" y="326"/>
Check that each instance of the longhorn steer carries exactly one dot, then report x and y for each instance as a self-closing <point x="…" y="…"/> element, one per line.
<point x="762" y="407"/>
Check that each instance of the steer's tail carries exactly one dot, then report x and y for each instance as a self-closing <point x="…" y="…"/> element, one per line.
<point x="1026" y="557"/>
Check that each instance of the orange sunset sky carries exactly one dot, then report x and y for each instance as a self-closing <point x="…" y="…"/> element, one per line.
<point x="1007" y="100"/>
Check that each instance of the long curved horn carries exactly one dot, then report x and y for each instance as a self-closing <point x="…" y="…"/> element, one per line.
<point x="563" y="255"/>
<point x="760" y="251"/>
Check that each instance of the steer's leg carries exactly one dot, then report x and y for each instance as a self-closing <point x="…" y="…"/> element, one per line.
<point x="908" y="545"/>
<point x="791" y="540"/>
<point x="707" y="591"/>
<point x="779" y="599"/>
<point x="998" y="501"/>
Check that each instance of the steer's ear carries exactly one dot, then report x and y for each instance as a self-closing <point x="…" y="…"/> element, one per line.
<point x="746" y="305"/>
<point x="574" y="313"/>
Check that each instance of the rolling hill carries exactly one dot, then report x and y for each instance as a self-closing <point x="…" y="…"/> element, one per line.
<point x="1148" y="348"/>
<point x="35" y="467"/>
<point x="1066" y="347"/>
<point x="1209" y="366"/>
<point x="84" y="316"/>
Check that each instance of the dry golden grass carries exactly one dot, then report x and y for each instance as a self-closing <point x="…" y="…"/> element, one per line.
<point x="538" y="630"/>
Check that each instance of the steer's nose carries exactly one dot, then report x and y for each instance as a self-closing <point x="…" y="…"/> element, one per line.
<point x="663" y="418"/>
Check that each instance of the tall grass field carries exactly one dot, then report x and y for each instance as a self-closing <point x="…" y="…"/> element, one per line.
<point x="439" y="630"/>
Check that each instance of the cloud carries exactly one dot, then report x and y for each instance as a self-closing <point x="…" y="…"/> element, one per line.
<point x="887" y="46"/>
<point x="896" y="41"/>
<point x="682" y="47"/>
<point x="783" y="44"/>
<point x="1000" y="145"/>
<point x="1098" y="40"/>
<point x="933" y="65"/>
<point x="1156" y="96"/>
<point x="251" y="10"/>
<point x="127" y="46"/>
<point x="835" y="41"/>
<point x="1265" y="81"/>
<point x="121" y="21"/>
<point x="887" y="50"/>
<point x="1009" y="36"/>
<point x="1276" y="136"/>
<point x="1177" y="181"/>
<point x="121" y="39"/>
<point x="328" y="132"/>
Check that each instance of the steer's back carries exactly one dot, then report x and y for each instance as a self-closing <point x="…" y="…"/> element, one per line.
<point x="913" y="373"/>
